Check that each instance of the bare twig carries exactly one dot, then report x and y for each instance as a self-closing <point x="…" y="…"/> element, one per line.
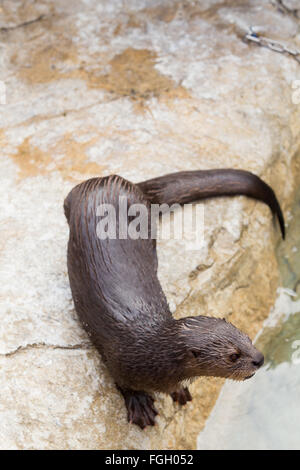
<point x="272" y="45"/>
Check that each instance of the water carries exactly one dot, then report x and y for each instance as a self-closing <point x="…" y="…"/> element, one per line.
<point x="264" y="413"/>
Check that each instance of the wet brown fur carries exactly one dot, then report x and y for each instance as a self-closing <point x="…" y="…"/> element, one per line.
<point x="120" y="301"/>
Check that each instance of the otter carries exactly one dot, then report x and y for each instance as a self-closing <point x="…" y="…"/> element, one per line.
<point x="120" y="302"/>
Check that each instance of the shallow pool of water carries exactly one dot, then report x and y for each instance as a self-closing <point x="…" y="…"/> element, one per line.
<point x="264" y="413"/>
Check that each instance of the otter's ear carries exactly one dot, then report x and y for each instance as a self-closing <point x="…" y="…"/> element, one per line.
<point x="194" y="353"/>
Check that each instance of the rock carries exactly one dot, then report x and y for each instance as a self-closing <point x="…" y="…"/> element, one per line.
<point x="142" y="90"/>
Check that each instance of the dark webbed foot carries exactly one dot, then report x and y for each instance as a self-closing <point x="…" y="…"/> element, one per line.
<point x="140" y="408"/>
<point x="182" y="395"/>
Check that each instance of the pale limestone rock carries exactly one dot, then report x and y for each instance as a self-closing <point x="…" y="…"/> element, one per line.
<point x="139" y="89"/>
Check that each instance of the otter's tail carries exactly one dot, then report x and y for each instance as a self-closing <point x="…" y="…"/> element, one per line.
<point x="188" y="186"/>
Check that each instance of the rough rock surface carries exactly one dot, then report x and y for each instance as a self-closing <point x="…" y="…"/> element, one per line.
<point x="137" y="88"/>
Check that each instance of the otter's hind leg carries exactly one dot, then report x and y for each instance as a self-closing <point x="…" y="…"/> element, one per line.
<point x="140" y="407"/>
<point x="182" y="395"/>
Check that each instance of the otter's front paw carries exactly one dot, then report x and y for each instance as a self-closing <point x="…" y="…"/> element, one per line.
<point x="140" y="408"/>
<point x="182" y="395"/>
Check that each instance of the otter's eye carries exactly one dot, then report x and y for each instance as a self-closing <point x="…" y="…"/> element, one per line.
<point x="234" y="357"/>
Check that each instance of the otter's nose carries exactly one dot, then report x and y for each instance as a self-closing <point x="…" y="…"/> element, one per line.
<point x="259" y="360"/>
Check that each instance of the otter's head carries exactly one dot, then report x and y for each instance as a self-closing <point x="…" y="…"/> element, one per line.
<point x="216" y="348"/>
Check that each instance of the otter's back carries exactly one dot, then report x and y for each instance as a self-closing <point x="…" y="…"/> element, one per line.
<point x="113" y="280"/>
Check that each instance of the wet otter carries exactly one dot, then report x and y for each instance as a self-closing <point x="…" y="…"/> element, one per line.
<point x="121" y="304"/>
